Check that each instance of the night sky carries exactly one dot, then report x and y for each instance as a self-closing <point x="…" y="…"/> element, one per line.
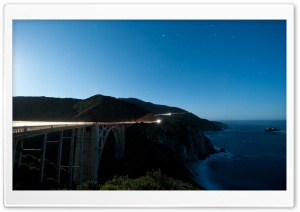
<point x="218" y="70"/>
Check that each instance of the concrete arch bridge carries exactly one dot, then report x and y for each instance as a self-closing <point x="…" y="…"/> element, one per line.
<point x="86" y="143"/>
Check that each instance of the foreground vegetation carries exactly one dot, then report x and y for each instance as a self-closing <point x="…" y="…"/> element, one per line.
<point x="27" y="177"/>
<point x="154" y="180"/>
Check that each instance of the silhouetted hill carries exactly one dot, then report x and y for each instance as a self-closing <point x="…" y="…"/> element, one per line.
<point x="106" y="108"/>
<point x="178" y="115"/>
<point x="100" y="108"/>
<point x="95" y="108"/>
<point x="193" y="120"/>
<point x="43" y="108"/>
<point x="153" y="108"/>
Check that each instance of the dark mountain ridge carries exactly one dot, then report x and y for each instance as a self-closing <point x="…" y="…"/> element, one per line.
<point x="173" y="115"/>
<point x="28" y="108"/>
<point x="100" y="108"/>
<point x="107" y="109"/>
<point x="153" y="108"/>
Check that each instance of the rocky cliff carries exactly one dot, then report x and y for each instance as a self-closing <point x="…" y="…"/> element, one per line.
<point x="166" y="146"/>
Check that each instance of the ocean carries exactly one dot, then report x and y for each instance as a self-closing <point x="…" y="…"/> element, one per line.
<point x="254" y="159"/>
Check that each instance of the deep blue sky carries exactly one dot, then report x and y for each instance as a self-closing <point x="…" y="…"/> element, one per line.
<point x="217" y="70"/>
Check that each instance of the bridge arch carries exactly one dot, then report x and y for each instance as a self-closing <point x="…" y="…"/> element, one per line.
<point x="103" y="140"/>
<point x="107" y="161"/>
<point x="119" y="142"/>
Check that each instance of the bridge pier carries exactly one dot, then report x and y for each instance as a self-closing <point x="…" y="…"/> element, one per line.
<point x="71" y="158"/>
<point x="20" y="152"/>
<point x="78" y="155"/>
<point x="86" y="154"/>
<point x="43" y="154"/>
<point x="15" y="143"/>
<point x="59" y="152"/>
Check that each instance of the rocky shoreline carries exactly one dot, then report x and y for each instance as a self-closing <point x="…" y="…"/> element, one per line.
<point x="166" y="146"/>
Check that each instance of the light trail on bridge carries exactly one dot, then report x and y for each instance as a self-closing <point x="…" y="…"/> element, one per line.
<point x="25" y="126"/>
<point x="169" y="114"/>
<point x="46" y="123"/>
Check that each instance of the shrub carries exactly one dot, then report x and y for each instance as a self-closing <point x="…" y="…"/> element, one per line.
<point x="154" y="180"/>
<point x="89" y="185"/>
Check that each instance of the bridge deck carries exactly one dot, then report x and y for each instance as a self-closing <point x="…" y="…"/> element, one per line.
<point x="33" y="128"/>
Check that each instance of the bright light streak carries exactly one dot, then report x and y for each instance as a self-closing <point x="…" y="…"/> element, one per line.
<point x="164" y="114"/>
<point x="44" y="123"/>
<point x="158" y="121"/>
<point x="169" y="114"/>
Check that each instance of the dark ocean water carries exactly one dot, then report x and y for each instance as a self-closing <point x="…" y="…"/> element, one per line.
<point x="254" y="159"/>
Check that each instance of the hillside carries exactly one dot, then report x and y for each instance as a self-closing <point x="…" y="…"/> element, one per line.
<point x="100" y="108"/>
<point x="107" y="109"/>
<point x="43" y="108"/>
<point x="153" y="108"/>
<point x="178" y="115"/>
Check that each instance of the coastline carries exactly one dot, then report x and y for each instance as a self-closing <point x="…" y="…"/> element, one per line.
<point x="201" y="170"/>
<point x="252" y="156"/>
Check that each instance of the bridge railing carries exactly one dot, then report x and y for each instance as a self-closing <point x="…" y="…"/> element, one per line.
<point x="22" y="129"/>
<point x="33" y="128"/>
<point x="25" y="126"/>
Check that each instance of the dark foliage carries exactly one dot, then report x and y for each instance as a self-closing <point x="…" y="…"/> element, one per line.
<point x="28" y="176"/>
<point x="153" y="180"/>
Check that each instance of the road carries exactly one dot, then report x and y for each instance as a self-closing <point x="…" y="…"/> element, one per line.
<point x="24" y="126"/>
